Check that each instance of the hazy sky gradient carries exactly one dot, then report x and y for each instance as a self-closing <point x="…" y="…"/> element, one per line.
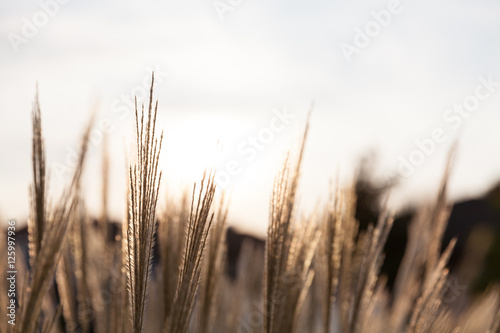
<point x="225" y="78"/>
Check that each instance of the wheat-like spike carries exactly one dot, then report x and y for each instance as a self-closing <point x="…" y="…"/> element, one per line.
<point x="54" y="232"/>
<point x="284" y="250"/>
<point x="144" y="188"/>
<point x="431" y="294"/>
<point x="370" y="268"/>
<point x="197" y="231"/>
<point x="212" y="271"/>
<point x="36" y="222"/>
<point x="439" y="216"/>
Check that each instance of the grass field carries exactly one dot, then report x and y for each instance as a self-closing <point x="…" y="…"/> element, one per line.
<point x="318" y="273"/>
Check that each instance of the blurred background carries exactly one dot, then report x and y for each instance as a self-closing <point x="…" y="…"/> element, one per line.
<point x="395" y="84"/>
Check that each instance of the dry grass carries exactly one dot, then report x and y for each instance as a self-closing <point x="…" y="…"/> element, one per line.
<point x="48" y="228"/>
<point x="213" y="271"/>
<point x="319" y="273"/>
<point x="171" y="236"/>
<point x="197" y="231"/>
<point x="144" y="187"/>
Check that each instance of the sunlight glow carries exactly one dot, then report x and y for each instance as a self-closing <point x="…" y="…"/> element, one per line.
<point x="195" y="144"/>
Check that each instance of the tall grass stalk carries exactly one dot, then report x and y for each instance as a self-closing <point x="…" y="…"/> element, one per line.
<point x="144" y="187"/>
<point x="213" y="271"/>
<point x="197" y="231"/>
<point x="47" y="234"/>
<point x="288" y="253"/>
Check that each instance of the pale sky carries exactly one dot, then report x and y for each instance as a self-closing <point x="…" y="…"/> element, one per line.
<point x="225" y="79"/>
